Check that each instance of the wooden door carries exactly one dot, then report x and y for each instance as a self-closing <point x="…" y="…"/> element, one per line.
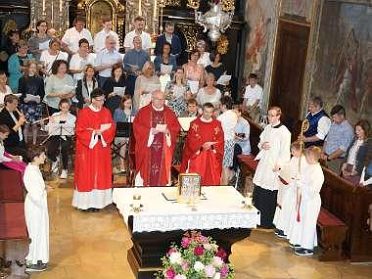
<point x="289" y="70"/>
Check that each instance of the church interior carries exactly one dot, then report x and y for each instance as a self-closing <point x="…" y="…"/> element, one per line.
<point x="309" y="61"/>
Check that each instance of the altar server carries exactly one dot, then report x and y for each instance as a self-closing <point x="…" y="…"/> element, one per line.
<point x="304" y="235"/>
<point x="155" y="129"/>
<point x="274" y="145"/>
<point x="287" y="194"/>
<point x="36" y="212"/>
<point x="95" y="131"/>
<point x="204" y="148"/>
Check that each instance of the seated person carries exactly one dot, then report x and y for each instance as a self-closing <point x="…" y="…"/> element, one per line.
<point x="15" y="120"/>
<point x="8" y="160"/>
<point x="353" y="167"/>
<point x="242" y="132"/>
<point x="191" y="109"/>
<point x="253" y="98"/>
<point x="61" y="143"/>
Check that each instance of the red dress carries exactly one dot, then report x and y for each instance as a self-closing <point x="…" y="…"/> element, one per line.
<point x="153" y="163"/>
<point x="93" y="169"/>
<point x="207" y="163"/>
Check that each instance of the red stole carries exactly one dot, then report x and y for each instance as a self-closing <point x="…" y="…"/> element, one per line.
<point x="93" y="168"/>
<point x="207" y="163"/>
<point x="154" y="163"/>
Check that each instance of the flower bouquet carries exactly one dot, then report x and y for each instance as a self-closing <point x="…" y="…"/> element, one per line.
<point x="199" y="257"/>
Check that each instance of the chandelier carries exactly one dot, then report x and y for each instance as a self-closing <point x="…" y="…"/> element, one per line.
<point x="217" y="19"/>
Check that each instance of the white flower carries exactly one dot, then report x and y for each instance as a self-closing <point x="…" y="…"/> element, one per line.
<point x="175" y="258"/>
<point x="198" y="266"/>
<point x="207" y="246"/>
<point x="209" y="271"/>
<point x="217" y="261"/>
<point x="180" y="276"/>
<point x="214" y="247"/>
<point x="217" y="275"/>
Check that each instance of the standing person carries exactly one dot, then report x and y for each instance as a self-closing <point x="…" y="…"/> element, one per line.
<point x="253" y="98"/>
<point x="139" y="25"/>
<point x="86" y="86"/>
<point x="194" y="73"/>
<point x="204" y="55"/>
<point x="216" y="67"/>
<point x="58" y="86"/>
<point x="61" y="143"/>
<point x="106" y="59"/>
<point x="304" y="237"/>
<point x="191" y="108"/>
<point x="14" y="119"/>
<point x="155" y="129"/>
<point x="210" y="93"/>
<point x="80" y="59"/>
<point x="177" y="92"/>
<point x="169" y="37"/>
<point x="165" y="59"/>
<point x="339" y="139"/>
<point x="117" y="81"/>
<point x="95" y="131"/>
<point x="242" y="132"/>
<point x="10" y="47"/>
<point x="4" y="88"/>
<point x="8" y="160"/>
<point x="145" y="85"/>
<point x="100" y="37"/>
<point x="274" y="145"/>
<point x="204" y="148"/>
<point x="38" y="41"/>
<point x="31" y="85"/>
<point x="319" y="123"/>
<point x="49" y="56"/>
<point x="229" y="120"/>
<point x="36" y="212"/>
<point x="133" y="61"/>
<point x="72" y="36"/>
<point x="17" y="64"/>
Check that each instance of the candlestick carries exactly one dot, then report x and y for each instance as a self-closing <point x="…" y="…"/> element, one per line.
<point x="43" y="7"/>
<point x="140" y="7"/>
<point x="60" y="5"/>
<point x="52" y="18"/>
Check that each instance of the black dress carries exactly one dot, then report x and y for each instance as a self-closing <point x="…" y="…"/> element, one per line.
<point x="113" y="102"/>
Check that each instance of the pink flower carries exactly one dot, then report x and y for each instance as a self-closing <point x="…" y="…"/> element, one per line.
<point x="171" y="250"/>
<point x="221" y="253"/>
<point x="198" y="250"/>
<point x="170" y="273"/>
<point x="185" y="266"/>
<point x="224" y="271"/>
<point x="180" y="276"/>
<point x="185" y="242"/>
<point x="209" y="271"/>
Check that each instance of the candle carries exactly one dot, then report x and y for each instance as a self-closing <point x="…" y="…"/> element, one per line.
<point x="140" y="7"/>
<point x="155" y="6"/>
<point x="43" y="7"/>
<point x="60" y="6"/>
<point x="52" y="19"/>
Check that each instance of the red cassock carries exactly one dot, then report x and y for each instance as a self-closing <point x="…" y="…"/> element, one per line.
<point x="207" y="163"/>
<point x="93" y="166"/>
<point x="154" y="163"/>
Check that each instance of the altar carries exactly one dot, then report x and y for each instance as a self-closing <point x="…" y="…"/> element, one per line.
<point x="219" y="213"/>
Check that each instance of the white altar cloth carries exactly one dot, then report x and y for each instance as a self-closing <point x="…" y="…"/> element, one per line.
<point x="222" y="209"/>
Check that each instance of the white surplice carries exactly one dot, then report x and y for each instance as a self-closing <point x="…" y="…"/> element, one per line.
<point x="303" y="233"/>
<point x="36" y="214"/>
<point x="279" y="154"/>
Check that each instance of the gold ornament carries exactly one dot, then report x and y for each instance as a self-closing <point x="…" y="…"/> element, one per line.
<point x="222" y="45"/>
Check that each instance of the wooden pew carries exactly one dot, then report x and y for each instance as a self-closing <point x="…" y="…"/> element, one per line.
<point x="13" y="231"/>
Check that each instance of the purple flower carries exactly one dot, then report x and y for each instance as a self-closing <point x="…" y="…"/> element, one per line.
<point x="185" y="242"/>
<point x="198" y="250"/>
<point x="170" y="273"/>
<point x="224" y="271"/>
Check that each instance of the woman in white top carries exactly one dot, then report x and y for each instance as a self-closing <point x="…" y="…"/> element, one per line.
<point x="204" y="59"/>
<point x="145" y="84"/>
<point x="210" y="93"/>
<point x="49" y="56"/>
<point x="36" y="212"/>
<point x="353" y="166"/>
<point x="194" y="73"/>
<point x="61" y="129"/>
<point x="4" y="88"/>
<point x="228" y="120"/>
<point x="177" y="93"/>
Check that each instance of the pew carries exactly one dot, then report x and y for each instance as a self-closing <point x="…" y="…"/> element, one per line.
<point x="13" y="231"/>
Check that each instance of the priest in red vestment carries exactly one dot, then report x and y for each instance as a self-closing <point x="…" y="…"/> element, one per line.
<point x="155" y="130"/>
<point x="203" y="152"/>
<point x="95" y="130"/>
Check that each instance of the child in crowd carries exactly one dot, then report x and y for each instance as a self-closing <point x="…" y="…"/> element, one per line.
<point x="36" y="212"/>
<point x="191" y="109"/>
<point x="287" y="194"/>
<point x="303" y="235"/>
<point x="9" y="161"/>
<point x="253" y="98"/>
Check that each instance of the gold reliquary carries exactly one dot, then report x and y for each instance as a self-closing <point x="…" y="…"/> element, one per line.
<point x="189" y="187"/>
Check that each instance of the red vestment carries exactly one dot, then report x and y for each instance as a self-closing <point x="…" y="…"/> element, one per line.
<point x="154" y="163"/>
<point x="207" y="163"/>
<point x="93" y="169"/>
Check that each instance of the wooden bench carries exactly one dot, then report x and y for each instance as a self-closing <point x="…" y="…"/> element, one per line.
<point x="247" y="168"/>
<point x="332" y="233"/>
<point x="14" y="239"/>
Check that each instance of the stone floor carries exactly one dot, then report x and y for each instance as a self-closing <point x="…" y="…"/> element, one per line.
<point x="94" y="245"/>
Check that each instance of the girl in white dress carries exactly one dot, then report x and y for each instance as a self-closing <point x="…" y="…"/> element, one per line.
<point x="36" y="212"/>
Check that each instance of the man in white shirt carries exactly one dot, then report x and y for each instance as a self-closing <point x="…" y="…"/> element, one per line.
<point x="80" y="59"/>
<point x="139" y="24"/>
<point x="253" y="98"/>
<point x="70" y="40"/>
<point x="274" y="145"/>
<point x="319" y="123"/>
<point x="228" y="120"/>
<point x="106" y="59"/>
<point x="100" y="37"/>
